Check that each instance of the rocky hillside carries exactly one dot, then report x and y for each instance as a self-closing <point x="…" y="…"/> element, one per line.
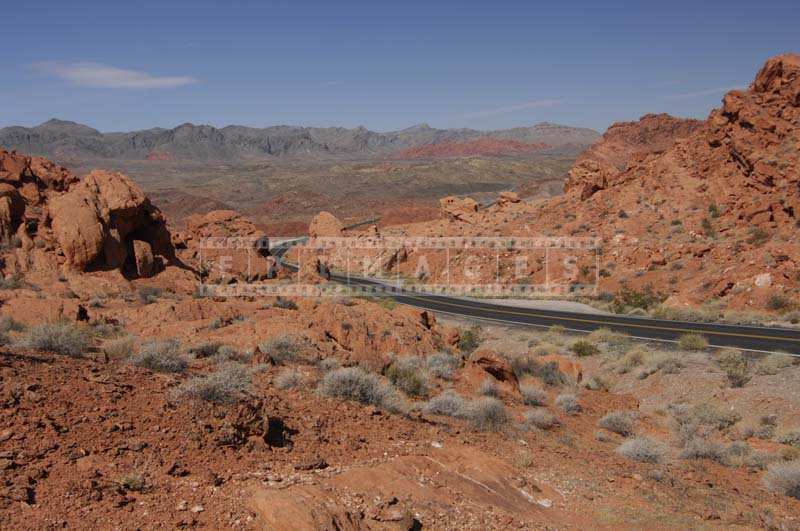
<point x="698" y="211"/>
<point x="64" y="140"/>
<point x="480" y="146"/>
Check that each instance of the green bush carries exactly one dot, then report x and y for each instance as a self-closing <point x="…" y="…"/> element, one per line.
<point x="584" y="348"/>
<point x="692" y="341"/>
<point x="470" y="339"/>
<point x="644" y="299"/>
<point x="60" y="337"/>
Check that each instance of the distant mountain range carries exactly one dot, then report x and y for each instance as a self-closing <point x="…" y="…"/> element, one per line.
<point x="62" y="140"/>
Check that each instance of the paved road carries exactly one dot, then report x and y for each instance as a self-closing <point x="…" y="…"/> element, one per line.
<point x="722" y="335"/>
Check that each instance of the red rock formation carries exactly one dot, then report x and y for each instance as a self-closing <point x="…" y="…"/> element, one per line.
<point x="480" y="146"/>
<point x="458" y="208"/>
<point x="325" y="224"/>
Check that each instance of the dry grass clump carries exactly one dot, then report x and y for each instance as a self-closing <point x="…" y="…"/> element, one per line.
<point x="774" y="363"/>
<point x="442" y="365"/>
<point x="784" y="478"/>
<point x="487" y="414"/>
<point x="407" y="375"/>
<point x="702" y="448"/>
<point x="666" y="362"/>
<point x="281" y="349"/>
<point x="449" y="404"/>
<point x="583" y="348"/>
<point x="533" y="396"/>
<point x="692" y="342"/>
<point x="545" y="347"/>
<point x="539" y="418"/>
<point x="614" y="342"/>
<point x="161" y="356"/>
<point x="489" y="388"/>
<point x="60" y="337"/>
<point x="569" y="404"/>
<point x="288" y="379"/>
<point x="220" y="387"/>
<point x="328" y="364"/>
<point x="791" y="437"/>
<point x="643" y="449"/>
<point x="354" y="383"/>
<point x="205" y="350"/>
<point x="8" y="324"/>
<point x="120" y="348"/>
<point x="619" y="422"/>
<point x="149" y="294"/>
<point x="632" y="359"/>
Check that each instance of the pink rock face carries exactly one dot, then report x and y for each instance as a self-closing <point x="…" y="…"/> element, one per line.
<point x="324" y="225"/>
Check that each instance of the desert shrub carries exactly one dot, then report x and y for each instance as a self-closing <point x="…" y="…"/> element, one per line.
<point x="644" y="299"/>
<point x="758" y="236"/>
<point x="487" y="414"/>
<point x="713" y="210"/>
<point x="60" y="337"/>
<point x="779" y="302"/>
<point x="8" y="324"/>
<point x="620" y="422"/>
<point x="708" y="228"/>
<point x="791" y="437"/>
<point x="470" y="339"/>
<point x="784" y="478"/>
<point x="354" y="383"/>
<point x="715" y="416"/>
<point x="735" y="365"/>
<point x="220" y="387"/>
<point x="533" y="396"/>
<point x="523" y="365"/>
<point x="596" y="383"/>
<point x="692" y="341"/>
<point x="584" y="348"/>
<point x="544" y="348"/>
<point x="631" y="359"/>
<point x="285" y="304"/>
<point x="569" y="404"/>
<point x="551" y="375"/>
<point x="643" y="449"/>
<point x="615" y="341"/>
<point x="161" y="356"/>
<point x="217" y="323"/>
<point x="120" y="348"/>
<point x="205" y="350"/>
<point x="133" y="482"/>
<point x="442" y="365"/>
<point x="449" y="404"/>
<point x="702" y="448"/>
<point x="288" y="379"/>
<point x="281" y="349"/>
<point x="539" y="418"/>
<point x="406" y="374"/>
<point x="775" y="363"/>
<point x="489" y="388"/>
<point x="12" y="282"/>
<point x="149" y="294"/>
<point x="329" y="364"/>
<point x="228" y="353"/>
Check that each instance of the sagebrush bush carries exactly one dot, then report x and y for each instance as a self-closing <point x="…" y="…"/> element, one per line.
<point x="354" y="383"/>
<point x="569" y="404"/>
<point x="149" y="294"/>
<point x="551" y="375"/>
<point x="489" y="388"/>
<point x="791" y="437"/>
<point x="449" y="404"/>
<point x="60" y="337"/>
<point x="470" y="339"/>
<point x="584" y="348"/>
<point x="692" y="342"/>
<point x="643" y="449"/>
<point x="533" y="396"/>
<point x="544" y="348"/>
<point x="487" y="414"/>
<point x="205" y="350"/>
<point x="281" y="349"/>
<point x="161" y="356"/>
<point x="8" y="324"/>
<point x="784" y="478"/>
<point x="442" y="365"/>
<point x="220" y="387"/>
<point x="735" y="365"/>
<point x="631" y="359"/>
<point x="328" y="364"/>
<point x="406" y="374"/>
<point x="619" y="422"/>
<point x="702" y="448"/>
<point x="775" y="363"/>
<point x="288" y="379"/>
<point x="539" y="418"/>
<point x="120" y="348"/>
<point x="524" y="365"/>
<point x="285" y="304"/>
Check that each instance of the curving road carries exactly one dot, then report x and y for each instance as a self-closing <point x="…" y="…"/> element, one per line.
<point x="757" y="338"/>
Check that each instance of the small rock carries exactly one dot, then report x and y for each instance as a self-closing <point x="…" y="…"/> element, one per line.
<point x="198" y="509"/>
<point x="436" y="444"/>
<point x="544" y="502"/>
<point x="182" y="506"/>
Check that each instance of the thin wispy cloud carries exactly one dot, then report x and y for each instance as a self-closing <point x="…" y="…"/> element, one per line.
<point x="699" y="93"/>
<point x="331" y="83"/>
<point x="103" y="76"/>
<point x="512" y="108"/>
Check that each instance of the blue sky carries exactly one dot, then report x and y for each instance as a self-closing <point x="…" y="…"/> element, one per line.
<point x="385" y="65"/>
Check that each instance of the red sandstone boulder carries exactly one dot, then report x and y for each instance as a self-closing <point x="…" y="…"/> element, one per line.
<point x="458" y="208"/>
<point x="324" y="225"/>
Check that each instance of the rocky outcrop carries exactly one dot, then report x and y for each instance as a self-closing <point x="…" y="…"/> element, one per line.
<point x="225" y="245"/>
<point x="89" y="224"/>
<point x="325" y="225"/>
<point x="458" y="208"/>
<point x="481" y="146"/>
<point x="97" y="221"/>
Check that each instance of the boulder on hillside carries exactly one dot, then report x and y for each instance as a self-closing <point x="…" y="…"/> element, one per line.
<point x="458" y="208"/>
<point x="98" y="219"/>
<point x="325" y="225"/>
<point x="507" y="197"/>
